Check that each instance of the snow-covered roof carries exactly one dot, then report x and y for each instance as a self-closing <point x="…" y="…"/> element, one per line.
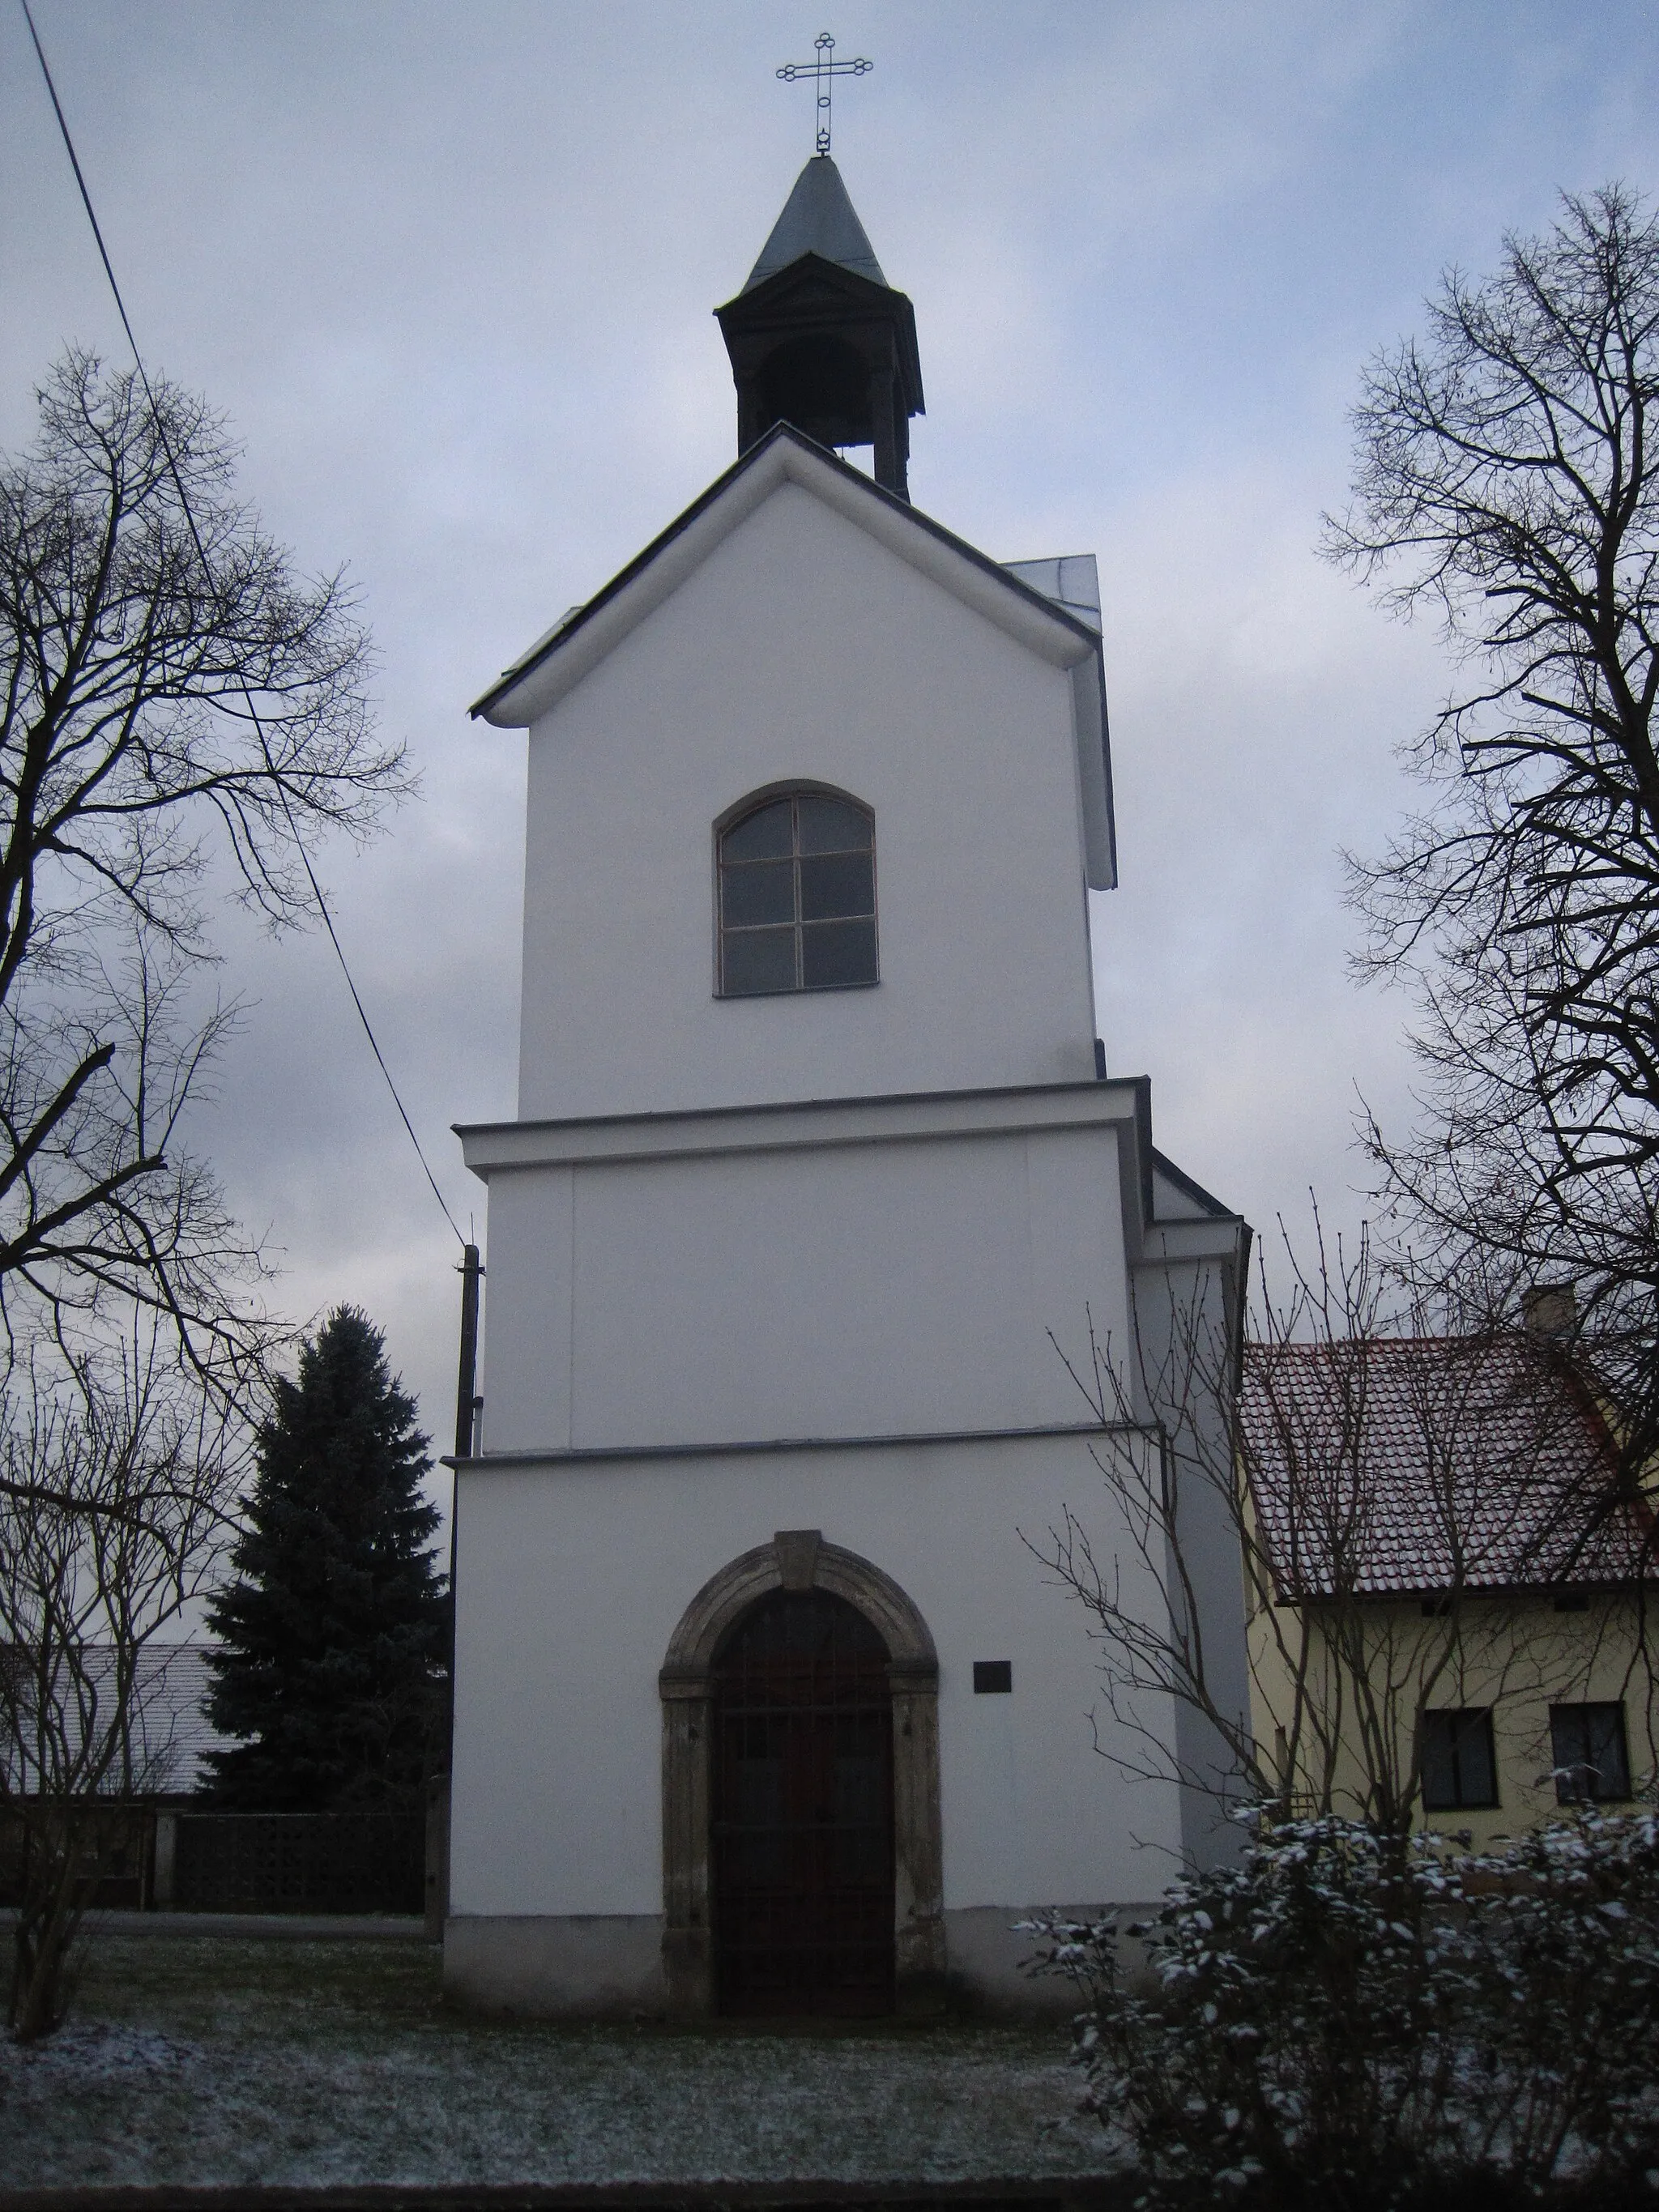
<point x="1425" y="1464"/>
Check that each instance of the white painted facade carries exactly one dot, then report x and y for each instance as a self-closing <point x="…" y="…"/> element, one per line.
<point x="821" y="635"/>
<point x="1016" y="1793"/>
<point x="794" y="1262"/>
<point x="889" y="1269"/>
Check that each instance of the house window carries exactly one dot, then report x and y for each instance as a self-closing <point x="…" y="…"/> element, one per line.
<point x="797" y="897"/>
<point x="1459" y="1770"/>
<point x="1587" y="1744"/>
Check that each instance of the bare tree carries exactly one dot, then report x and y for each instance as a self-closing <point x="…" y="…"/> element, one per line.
<point x="1399" y="1504"/>
<point x="120" y="1480"/>
<point x="173" y="701"/>
<point x="1167" y="1470"/>
<point x="1508" y="480"/>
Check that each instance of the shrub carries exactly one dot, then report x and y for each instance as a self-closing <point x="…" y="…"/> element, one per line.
<point x="1343" y="2017"/>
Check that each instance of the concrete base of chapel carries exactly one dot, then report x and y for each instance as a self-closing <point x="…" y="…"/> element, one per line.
<point x="609" y="1966"/>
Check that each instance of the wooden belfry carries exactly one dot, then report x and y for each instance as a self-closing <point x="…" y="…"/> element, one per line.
<point x="817" y="337"/>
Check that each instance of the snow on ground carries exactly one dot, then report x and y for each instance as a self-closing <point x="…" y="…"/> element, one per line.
<point x="216" y="2060"/>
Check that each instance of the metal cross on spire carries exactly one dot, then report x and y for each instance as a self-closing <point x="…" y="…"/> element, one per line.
<point x="824" y="68"/>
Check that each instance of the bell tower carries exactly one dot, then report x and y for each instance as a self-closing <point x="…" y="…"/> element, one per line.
<point x="817" y="336"/>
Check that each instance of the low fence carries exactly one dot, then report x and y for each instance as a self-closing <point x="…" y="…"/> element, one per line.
<point x="153" y="1859"/>
<point x="291" y="1863"/>
<point x="115" y="1855"/>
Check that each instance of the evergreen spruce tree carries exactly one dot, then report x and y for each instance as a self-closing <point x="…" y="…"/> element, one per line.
<point x="335" y="1636"/>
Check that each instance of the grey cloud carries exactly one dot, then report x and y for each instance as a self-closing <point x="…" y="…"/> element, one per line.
<point x="450" y="271"/>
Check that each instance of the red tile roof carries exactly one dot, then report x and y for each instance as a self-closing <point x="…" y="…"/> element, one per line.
<point x="1424" y="1464"/>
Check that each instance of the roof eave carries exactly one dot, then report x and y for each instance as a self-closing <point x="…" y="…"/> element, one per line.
<point x="1062" y="637"/>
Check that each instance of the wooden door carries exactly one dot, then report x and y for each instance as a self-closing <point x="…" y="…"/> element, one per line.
<point x="803" y="1811"/>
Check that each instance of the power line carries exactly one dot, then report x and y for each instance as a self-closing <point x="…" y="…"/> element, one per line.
<point x="254" y="712"/>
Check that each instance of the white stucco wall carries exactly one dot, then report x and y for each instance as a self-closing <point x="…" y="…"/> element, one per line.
<point x="572" y="1579"/>
<point x="802" y="648"/>
<point x="818" y="1217"/>
<point x="849" y="1290"/>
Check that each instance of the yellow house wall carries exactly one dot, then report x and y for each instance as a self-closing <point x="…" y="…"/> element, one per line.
<point x="1516" y="1655"/>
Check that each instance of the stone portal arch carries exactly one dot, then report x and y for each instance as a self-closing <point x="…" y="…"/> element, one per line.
<point x="798" y="1559"/>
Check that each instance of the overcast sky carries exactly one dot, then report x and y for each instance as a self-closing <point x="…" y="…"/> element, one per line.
<point x="448" y="271"/>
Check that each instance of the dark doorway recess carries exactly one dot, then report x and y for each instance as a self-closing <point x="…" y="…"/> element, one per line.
<point x="803" y="1811"/>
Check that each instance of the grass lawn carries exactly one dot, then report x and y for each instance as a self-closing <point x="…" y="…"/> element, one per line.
<point x="220" y="2060"/>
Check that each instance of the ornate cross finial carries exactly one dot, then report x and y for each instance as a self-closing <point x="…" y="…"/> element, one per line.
<point x="825" y="69"/>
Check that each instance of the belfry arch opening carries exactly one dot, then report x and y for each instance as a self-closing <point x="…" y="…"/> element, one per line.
<point x="821" y="384"/>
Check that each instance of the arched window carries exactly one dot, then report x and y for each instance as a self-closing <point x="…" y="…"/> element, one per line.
<point x="798" y="896"/>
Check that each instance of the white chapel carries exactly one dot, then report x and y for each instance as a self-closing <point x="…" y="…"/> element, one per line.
<point x="762" y="1705"/>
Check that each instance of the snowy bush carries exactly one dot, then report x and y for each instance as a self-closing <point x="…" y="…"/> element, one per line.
<point x="1562" y="1934"/>
<point x="1344" y="2018"/>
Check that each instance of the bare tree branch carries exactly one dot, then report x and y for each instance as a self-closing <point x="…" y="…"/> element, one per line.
<point x="119" y="1477"/>
<point x="132" y="668"/>
<point x="1507" y="477"/>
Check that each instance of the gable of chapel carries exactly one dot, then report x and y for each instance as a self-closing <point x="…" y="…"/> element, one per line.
<point x="801" y="627"/>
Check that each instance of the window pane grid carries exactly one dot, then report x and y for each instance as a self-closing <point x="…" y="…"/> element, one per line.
<point x="1460" y="1772"/>
<point x="1588" y="1752"/>
<point x="796" y="898"/>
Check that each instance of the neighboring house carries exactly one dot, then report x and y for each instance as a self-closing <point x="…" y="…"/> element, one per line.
<point x="157" y="1767"/>
<point x="149" y="1836"/>
<point x="760" y="1702"/>
<point x="161" y="1751"/>
<point x="171" y="1733"/>
<point x="1459" y="1584"/>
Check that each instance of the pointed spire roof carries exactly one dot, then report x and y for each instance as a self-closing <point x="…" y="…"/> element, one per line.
<point x="817" y="218"/>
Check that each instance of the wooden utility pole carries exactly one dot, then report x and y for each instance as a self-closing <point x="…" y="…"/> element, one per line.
<point x="467" y="1401"/>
